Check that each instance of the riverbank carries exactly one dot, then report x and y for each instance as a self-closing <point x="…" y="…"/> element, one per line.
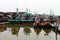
<point x="3" y="23"/>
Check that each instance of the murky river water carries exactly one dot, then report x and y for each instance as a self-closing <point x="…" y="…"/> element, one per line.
<point x="27" y="33"/>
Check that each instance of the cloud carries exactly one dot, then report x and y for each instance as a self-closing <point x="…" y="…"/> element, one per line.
<point x="34" y="5"/>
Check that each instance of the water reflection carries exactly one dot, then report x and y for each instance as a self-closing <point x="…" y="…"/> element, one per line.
<point x="33" y="33"/>
<point x="47" y="31"/>
<point x="27" y="31"/>
<point x="13" y="25"/>
<point x="58" y="31"/>
<point x="3" y="28"/>
<point x="15" y="30"/>
<point x="37" y="30"/>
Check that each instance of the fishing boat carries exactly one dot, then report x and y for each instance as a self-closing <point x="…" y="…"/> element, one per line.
<point x="44" y="24"/>
<point x="24" y="18"/>
<point x="27" y="23"/>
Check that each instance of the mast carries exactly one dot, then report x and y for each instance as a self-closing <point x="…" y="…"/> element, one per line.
<point x="51" y="13"/>
<point x="27" y="10"/>
<point x="56" y="35"/>
<point x="17" y="10"/>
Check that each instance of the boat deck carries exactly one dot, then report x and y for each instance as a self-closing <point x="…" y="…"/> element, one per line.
<point x="19" y="21"/>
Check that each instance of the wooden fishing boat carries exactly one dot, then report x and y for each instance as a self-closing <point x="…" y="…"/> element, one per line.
<point x="45" y="24"/>
<point x="26" y="23"/>
<point x="22" y="22"/>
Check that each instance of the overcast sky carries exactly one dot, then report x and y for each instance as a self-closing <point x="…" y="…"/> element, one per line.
<point x="41" y="6"/>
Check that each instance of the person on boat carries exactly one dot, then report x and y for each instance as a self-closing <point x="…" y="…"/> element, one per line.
<point x="27" y="17"/>
<point x="14" y="16"/>
<point x="19" y="17"/>
<point x="24" y="17"/>
<point x="36" y="19"/>
<point x="41" y="19"/>
<point x="45" y="22"/>
<point x="4" y="18"/>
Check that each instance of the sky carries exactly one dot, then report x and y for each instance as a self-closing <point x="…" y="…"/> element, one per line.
<point x="38" y="6"/>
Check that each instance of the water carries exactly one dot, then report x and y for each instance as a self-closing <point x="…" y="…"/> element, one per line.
<point x="28" y="33"/>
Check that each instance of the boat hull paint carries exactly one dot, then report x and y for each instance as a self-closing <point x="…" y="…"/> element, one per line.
<point x="43" y="26"/>
<point x="25" y="24"/>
